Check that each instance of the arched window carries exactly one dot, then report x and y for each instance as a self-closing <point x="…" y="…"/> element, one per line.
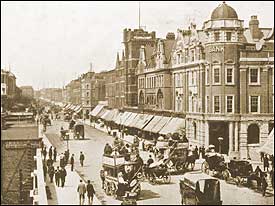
<point x="195" y="130"/>
<point x="253" y="134"/>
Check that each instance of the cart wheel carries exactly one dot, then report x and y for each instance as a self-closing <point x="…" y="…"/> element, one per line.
<point x="108" y="189"/>
<point x="167" y="178"/>
<point x="152" y="180"/>
<point x="113" y="189"/>
<point x="205" y="167"/>
<point x="179" y="166"/>
<point x="226" y="175"/>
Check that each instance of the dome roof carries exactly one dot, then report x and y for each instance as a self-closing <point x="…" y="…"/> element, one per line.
<point x="224" y="11"/>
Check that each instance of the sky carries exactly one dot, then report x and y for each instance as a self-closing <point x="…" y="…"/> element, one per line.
<point x="47" y="44"/>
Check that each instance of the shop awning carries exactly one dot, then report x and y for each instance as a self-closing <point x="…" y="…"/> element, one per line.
<point x="118" y="118"/>
<point x="68" y="105"/>
<point x="152" y="123"/>
<point x="130" y="119"/>
<point x="124" y="117"/>
<point x="102" y="112"/>
<point x="268" y="146"/>
<point x="112" y="115"/>
<point x="144" y="120"/>
<point x="134" y="121"/>
<point x="77" y="107"/>
<point x="174" y="125"/>
<point x="106" y="114"/>
<point x="96" y="110"/>
<point x="161" y="124"/>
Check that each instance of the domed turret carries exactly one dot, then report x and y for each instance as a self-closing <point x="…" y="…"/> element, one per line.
<point x="224" y="11"/>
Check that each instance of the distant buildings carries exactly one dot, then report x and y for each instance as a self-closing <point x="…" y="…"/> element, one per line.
<point x="27" y="91"/>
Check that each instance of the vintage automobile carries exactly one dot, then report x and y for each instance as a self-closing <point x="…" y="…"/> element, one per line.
<point x="215" y="162"/>
<point x="198" y="188"/>
<point x="240" y="170"/>
<point x="78" y="131"/>
<point x="112" y="167"/>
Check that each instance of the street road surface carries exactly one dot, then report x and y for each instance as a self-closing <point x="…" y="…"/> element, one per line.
<point x="162" y="194"/>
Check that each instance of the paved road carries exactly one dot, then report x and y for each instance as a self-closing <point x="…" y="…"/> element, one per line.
<point x="93" y="147"/>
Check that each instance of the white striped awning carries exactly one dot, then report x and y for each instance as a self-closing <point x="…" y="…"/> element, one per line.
<point x="268" y="146"/>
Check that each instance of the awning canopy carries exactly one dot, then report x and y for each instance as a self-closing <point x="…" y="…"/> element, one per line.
<point x="134" y="120"/>
<point x="124" y="117"/>
<point x="144" y="120"/>
<point x="102" y="112"/>
<point x="152" y="123"/>
<point x="174" y="125"/>
<point x="130" y="119"/>
<point x="77" y="108"/>
<point x="118" y="118"/>
<point x="67" y="106"/>
<point x="96" y="110"/>
<point x="268" y="146"/>
<point x="111" y="116"/>
<point x="161" y="124"/>
<point x="106" y="114"/>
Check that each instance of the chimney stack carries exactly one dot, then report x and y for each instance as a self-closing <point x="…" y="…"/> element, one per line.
<point x="254" y="28"/>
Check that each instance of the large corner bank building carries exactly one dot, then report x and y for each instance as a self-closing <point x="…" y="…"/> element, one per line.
<point x="220" y="77"/>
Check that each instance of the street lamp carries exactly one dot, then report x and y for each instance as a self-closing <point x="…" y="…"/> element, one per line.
<point x="220" y="144"/>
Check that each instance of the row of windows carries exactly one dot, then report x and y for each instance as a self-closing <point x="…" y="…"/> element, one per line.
<point x="254" y="104"/>
<point x="217" y="36"/>
<point x="216" y="75"/>
<point x="151" y="82"/>
<point x="188" y="56"/>
<point x="192" y="79"/>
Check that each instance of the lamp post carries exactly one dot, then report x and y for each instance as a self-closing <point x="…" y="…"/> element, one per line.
<point x="220" y="144"/>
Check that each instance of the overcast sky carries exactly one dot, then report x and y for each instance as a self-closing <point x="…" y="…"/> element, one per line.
<point x="48" y="44"/>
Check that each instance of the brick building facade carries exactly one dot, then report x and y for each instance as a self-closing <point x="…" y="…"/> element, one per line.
<point x="222" y="81"/>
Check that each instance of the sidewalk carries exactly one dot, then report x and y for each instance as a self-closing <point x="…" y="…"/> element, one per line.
<point x="68" y="195"/>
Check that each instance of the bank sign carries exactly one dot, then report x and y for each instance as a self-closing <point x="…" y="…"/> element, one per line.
<point x="216" y="49"/>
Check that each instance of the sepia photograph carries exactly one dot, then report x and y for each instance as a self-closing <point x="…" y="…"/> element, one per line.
<point x="137" y="103"/>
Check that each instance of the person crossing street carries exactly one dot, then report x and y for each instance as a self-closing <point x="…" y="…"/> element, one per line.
<point x="81" y="158"/>
<point x="63" y="174"/>
<point x="90" y="192"/>
<point x="72" y="162"/>
<point x="81" y="189"/>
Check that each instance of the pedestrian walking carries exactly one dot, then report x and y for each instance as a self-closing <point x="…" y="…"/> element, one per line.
<point x="264" y="184"/>
<point x="44" y="153"/>
<point x="63" y="174"/>
<point x="81" y="189"/>
<point x="57" y="177"/>
<point x="81" y="158"/>
<point x="51" y="173"/>
<point x="90" y="192"/>
<point x="62" y="160"/>
<point x="67" y="155"/>
<point x="44" y="169"/>
<point x="102" y="176"/>
<point x="54" y="154"/>
<point x="72" y="162"/>
<point x="49" y="163"/>
<point x="266" y="162"/>
<point x="262" y="156"/>
<point x="51" y="152"/>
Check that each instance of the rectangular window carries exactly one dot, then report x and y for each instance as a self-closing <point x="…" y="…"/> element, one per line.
<point x="254" y="103"/>
<point x="217" y="36"/>
<point x="229" y="104"/>
<point x="178" y="58"/>
<point x="229" y="76"/>
<point x="207" y="75"/>
<point x="192" y="55"/>
<point x="206" y="104"/>
<point x="216" y="75"/>
<point x="254" y="75"/>
<point x="228" y="36"/>
<point x="216" y="104"/>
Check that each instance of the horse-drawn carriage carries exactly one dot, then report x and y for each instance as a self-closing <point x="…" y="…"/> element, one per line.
<point x="158" y="172"/>
<point x="120" y="177"/>
<point x="175" y="154"/>
<point x="238" y="170"/>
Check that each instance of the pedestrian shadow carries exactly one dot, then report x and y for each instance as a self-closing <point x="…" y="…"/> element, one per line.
<point x="148" y="194"/>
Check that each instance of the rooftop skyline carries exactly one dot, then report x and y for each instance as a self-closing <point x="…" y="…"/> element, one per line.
<point x="47" y="44"/>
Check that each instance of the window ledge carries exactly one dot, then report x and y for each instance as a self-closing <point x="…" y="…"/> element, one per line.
<point x="254" y="84"/>
<point x="230" y="84"/>
<point x="253" y="145"/>
<point x="216" y="84"/>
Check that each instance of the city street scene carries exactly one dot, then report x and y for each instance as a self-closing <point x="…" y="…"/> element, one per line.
<point x="137" y="103"/>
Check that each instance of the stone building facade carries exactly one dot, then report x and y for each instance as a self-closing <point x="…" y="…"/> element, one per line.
<point x="222" y="81"/>
<point x="27" y="91"/>
<point x="154" y="74"/>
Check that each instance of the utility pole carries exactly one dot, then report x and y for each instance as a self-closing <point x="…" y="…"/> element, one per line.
<point x="139" y="14"/>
